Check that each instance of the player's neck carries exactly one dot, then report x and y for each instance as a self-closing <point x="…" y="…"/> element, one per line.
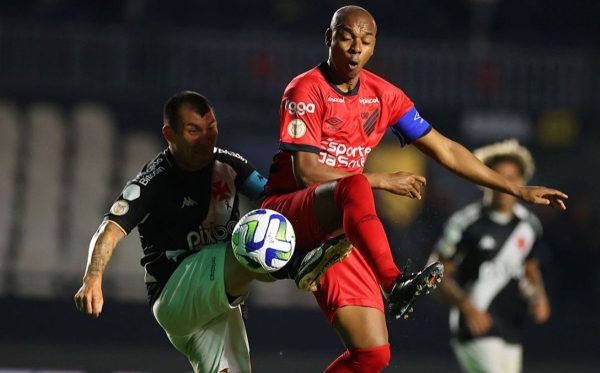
<point x="190" y="163"/>
<point x="348" y="86"/>
<point x="501" y="209"/>
<point x="345" y="83"/>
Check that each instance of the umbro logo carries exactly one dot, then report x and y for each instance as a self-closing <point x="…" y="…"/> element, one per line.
<point x="334" y="123"/>
<point x="187" y="202"/>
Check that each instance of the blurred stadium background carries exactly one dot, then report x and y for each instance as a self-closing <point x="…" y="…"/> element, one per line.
<point x="82" y="84"/>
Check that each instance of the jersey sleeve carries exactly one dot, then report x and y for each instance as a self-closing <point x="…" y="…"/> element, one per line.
<point x="447" y="246"/>
<point x="300" y="116"/>
<point x="248" y="180"/>
<point x="132" y="206"/>
<point x="406" y="122"/>
<point x="539" y="244"/>
<point x="254" y="186"/>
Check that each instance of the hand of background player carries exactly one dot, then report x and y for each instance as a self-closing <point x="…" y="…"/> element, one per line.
<point x="479" y="322"/>
<point x="543" y="196"/>
<point x="89" y="298"/>
<point x="404" y="184"/>
<point x="540" y="310"/>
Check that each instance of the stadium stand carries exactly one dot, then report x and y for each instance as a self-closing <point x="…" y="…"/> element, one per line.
<point x="9" y="122"/>
<point x="37" y="252"/>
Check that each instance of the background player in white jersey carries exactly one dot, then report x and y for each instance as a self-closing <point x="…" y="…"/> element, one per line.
<point x="185" y="205"/>
<point x="492" y="272"/>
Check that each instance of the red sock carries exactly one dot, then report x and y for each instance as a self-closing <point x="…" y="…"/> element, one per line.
<point x="361" y="360"/>
<point x="354" y="196"/>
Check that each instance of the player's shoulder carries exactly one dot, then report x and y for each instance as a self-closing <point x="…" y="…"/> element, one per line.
<point x="155" y="170"/>
<point x="527" y="216"/>
<point x="376" y="81"/>
<point x="228" y="156"/>
<point x="309" y="80"/>
<point x="466" y="215"/>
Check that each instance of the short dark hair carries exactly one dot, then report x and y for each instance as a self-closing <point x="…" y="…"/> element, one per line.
<point x="198" y="102"/>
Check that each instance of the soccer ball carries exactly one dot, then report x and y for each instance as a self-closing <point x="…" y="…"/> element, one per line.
<point x="263" y="241"/>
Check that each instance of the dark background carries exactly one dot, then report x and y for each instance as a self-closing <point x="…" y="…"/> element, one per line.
<point x="478" y="70"/>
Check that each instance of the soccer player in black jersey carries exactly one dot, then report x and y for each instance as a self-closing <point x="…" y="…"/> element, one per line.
<point x="492" y="274"/>
<point x="185" y="205"/>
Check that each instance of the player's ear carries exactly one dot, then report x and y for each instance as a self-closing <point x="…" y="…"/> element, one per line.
<point x="167" y="132"/>
<point x="328" y="37"/>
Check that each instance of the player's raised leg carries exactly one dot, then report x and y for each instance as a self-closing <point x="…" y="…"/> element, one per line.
<point x="349" y="203"/>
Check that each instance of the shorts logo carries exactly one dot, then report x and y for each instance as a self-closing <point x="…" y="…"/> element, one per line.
<point x="296" y="128"/>
<point x="119" y="208"/>
<point x="299" y="107"/>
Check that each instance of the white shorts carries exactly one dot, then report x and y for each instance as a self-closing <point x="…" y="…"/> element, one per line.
<point x="194" y="311"/>
<point x="489" y="355"/>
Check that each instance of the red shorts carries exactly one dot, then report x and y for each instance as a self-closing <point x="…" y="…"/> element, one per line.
<point x="348" y="283"/>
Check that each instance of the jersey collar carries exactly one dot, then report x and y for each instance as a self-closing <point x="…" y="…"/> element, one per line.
<point x="323" y="68"/>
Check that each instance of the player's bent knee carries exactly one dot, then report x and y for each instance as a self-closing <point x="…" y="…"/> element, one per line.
<point x="375" y="358"/>
<point x="354" y="186"/>
<point x="362" y="360"/>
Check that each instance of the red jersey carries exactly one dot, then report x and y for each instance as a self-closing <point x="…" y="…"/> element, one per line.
<point x="343" y="128"/>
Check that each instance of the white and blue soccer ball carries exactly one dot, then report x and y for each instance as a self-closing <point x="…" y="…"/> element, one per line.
<point x="263" y="241"/>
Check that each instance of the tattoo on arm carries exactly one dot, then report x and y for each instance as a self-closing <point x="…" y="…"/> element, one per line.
<point x="102" y="246"/>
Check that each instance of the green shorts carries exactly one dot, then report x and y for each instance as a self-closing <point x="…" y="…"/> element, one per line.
<point x="194" y="311"/>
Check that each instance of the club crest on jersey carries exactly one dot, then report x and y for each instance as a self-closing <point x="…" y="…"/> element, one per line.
<point x="296" y="128"/>
<point x="119" y="208"/>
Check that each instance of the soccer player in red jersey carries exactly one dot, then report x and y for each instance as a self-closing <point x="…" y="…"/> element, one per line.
<point x="331" y="117"/>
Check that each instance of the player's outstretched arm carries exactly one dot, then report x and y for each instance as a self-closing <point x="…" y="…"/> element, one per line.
<point x="462" y="162"/>
<point x="308" y="170"/>
<point x="89" y="299"/>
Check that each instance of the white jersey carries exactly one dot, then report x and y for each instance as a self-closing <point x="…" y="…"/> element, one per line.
<point x="490" y="250"/>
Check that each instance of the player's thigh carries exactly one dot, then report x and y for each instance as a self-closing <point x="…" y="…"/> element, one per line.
<point x="195" y="293"/>
<point x="361" y="327"/>
<point x="329" y="215"/>
<point x="299" y="208"/>
<point x="481" y="355"/>
<point x="350" y="298"/>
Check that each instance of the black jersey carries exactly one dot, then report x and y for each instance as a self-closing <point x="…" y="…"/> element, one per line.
<point x="178" y="212"/>
<point x="490" y="250"/>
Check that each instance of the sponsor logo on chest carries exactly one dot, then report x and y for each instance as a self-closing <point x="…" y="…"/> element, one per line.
<point x="337" y="154"/>
<point x="368" y="100"/>
<point x="339" y="100"/>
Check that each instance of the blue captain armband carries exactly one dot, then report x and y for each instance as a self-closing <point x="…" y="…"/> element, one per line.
<point x="410" y="127"/>
<point x="254" y="186"/>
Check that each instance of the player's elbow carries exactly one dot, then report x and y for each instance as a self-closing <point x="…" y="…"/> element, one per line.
<point x="304" y="179"/>
<point x="306" y="169"/>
